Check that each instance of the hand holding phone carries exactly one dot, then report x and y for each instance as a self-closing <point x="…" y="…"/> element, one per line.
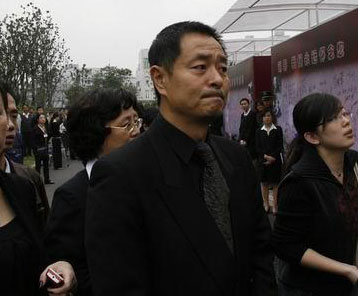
<point x="53" y="279"/>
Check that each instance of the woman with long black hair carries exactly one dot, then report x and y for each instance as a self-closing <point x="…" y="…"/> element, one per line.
<point x="315" y="232"/>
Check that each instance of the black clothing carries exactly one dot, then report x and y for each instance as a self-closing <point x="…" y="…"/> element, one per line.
<point x="270" y="144"/>
<point x="309" y="217"/>
<point x="259" y="122"/>
<point x="26" y="133"/>
<point x="41" y="152"/>
<point x="22" y="254"/>
<point x="65" y="229"/>
<point x="56" y="152"/>
<point x="149" y="232"/>
<point x="247" y="131"/>
<point x="18" y="260"/>
<point x="33" y="176"/>
<point x="216" y="126"/>
<point x="216" y="194"/>
<point x="56" y="143"/>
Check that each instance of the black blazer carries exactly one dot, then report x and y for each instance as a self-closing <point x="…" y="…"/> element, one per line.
<point x="148" y="232"/>
<point x="65" y="230"/>
<point x="39" y="140"/>
<point x="271" y="144"/>
<point x="247" y="131"/>
<point x="309" y="216"/>
<point x="21" y="196"/>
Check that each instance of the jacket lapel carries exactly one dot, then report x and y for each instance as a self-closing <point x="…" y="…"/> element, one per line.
<point x="190" y="212"/>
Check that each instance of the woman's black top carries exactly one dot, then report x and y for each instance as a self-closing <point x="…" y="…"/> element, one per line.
<point x="270" y="144"/>
<point x="54" y="129"/>
<point x="19" y="261"/>
<point x="316" y="211"/>
<point x="22" y="256"/>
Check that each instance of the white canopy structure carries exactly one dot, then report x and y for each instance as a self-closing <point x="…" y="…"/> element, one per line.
<point x="279" y="19"/>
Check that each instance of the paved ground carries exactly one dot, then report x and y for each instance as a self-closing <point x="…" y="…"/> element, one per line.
<point x="60" y="176"/>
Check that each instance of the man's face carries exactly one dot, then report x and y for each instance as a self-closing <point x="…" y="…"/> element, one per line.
<point x="267" y="103"/>
<point x="25" y="109"/>
<point x="12" y="122"/>
<point x="40" y="111"/>
<point x="197" y="88"/>
<point x="244" y="105"/>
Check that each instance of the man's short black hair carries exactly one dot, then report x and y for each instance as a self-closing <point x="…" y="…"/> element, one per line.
<point x="88" y="117"/>
<point x="166" y="46"/>
<point x="245" y="99"/>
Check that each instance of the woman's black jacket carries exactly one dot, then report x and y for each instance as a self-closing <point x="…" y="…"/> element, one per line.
<point x="309" y="216"/>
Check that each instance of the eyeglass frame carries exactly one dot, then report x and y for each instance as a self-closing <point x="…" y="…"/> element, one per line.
<point x="131" y="125"/>
<point x="339" y="116"/>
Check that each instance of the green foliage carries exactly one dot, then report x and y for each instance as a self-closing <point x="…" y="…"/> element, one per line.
<point x="113" y="77"/>
<point x="33" y="57"/>
<point x="78" y="84"/>
<point x="107" y="77"/>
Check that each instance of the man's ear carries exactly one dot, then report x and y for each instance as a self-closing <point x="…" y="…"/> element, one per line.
<point x="159" y="78"/>
<point x="312" y="138"/>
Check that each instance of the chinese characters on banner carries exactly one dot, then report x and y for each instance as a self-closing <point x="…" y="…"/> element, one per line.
<point x="321" y="55"/>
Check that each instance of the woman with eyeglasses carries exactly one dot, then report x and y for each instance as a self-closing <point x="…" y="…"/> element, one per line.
<point x="99" y="122"/>
<point x="316" y="227"/>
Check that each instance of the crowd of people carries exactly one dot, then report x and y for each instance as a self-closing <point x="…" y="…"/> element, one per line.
<point x="164" y="206"/>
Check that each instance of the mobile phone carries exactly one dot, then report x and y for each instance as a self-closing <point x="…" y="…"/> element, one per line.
<point x="54" y="280"/>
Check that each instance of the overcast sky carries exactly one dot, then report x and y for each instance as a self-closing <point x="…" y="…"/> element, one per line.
<point x="101" y="31"/>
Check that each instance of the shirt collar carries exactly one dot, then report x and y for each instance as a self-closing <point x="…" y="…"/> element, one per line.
<point x="182" y="144"/>
<point x="248" y="111"/>
<point x="272" y="127"/>
<point x="7" y="166"/>
<point x="89" y="166"/>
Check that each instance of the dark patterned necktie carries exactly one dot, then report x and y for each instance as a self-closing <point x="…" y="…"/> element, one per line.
<point x="216" y="192"/>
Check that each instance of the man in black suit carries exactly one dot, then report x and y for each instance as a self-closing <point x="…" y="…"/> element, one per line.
<point x="248" y="127"/>
<point x="26" y="130"/>
<point x="151" y="228"/>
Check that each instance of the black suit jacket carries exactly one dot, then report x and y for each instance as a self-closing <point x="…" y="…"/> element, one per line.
<point x="39" y="139"/>
<point x="21" y="196"/>
<point x="247" y="131"/>
<point x="148" y="232"/>
<point x="33" y="176"/>
<point x="65" y="230"/>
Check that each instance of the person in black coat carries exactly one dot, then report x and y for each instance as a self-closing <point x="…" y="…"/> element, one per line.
<point x="248" y="127"/>
<point x="269" y="146"/>
<point x="316" y="229"/>
<point x="54" y="127"/>
<point x="22" y="256"/>
<point x="41" y="137"/>
<point x="101" y="121"/>
<point x="149" y="229"/>
<point x="26" y="130"/>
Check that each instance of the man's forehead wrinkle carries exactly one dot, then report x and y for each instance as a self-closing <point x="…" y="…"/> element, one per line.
<point x="207" y="55"/>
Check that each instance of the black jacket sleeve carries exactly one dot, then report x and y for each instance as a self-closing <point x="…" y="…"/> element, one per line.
<point x="114" y="234"/>
<point x="293" y="220"/>
<point x="65" y="232"/>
